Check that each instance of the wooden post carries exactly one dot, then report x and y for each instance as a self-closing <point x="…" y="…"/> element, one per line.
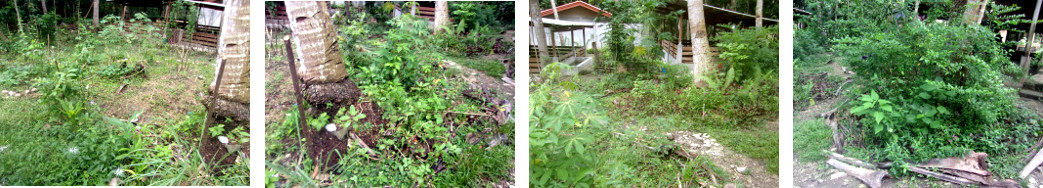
<point x="213" y="101"/>
<point x="584" y="38"/>
<point x="572" y="38"/>
<point x="679" y="52"/>
<point x="554" y="44"/>
<point x="296" y="83"/>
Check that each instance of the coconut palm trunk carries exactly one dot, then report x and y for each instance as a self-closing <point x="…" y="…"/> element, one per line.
<point x="441" y="15"/>
<point x="321" y="67"/>
<point x="233" y="96"/>
<point x="537" y="22"/>
<point x="700" y="42"/>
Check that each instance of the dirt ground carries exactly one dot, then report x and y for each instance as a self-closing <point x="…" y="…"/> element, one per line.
<point x="748" y="171"/>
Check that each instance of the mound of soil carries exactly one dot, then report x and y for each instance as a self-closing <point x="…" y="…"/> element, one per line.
<point x="215" y="154"/>
<point x="323" y="146"/>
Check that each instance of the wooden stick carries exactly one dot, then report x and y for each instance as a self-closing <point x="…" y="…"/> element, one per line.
<point x="296" y="85"/>
<point x="217" y="89"/>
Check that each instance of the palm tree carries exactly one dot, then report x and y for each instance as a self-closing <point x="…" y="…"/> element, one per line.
<point x="441" y="15"/>
<point x="233" y="96"/>
<point x="321" y="67"/>
<point x="537" y="22"/>
<point x="700" y="42"/>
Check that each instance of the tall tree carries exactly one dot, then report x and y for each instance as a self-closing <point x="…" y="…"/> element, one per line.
<point x="321" y="64"/>
<point x="18" y="16"/>
<point x="97" y="8"/>
<point x="43" y="3"/>
<point x="314" y="34"/>
<point x="537" y="22"/>
<point x="760" y="14"/>
<point x="234" y="54"/>
<point x="441" y="15"/>
<point x="700" y="42"/>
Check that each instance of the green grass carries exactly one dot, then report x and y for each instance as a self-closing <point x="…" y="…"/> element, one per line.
<point x="810" y="138"/>
<point x="44" y="149"/>
<point x="492" y="68"/>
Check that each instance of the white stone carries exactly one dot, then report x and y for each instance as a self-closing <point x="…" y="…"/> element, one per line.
<point x="2" y="148"/>
<point x="223" y="139"/>
<point x="837" y="175"/>
<point x="741" y="169"/>
<point x="331" y="127"/>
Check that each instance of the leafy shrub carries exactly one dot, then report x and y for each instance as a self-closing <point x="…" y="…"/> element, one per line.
<point x="750" y="51"/>
<point x="557" y="139"/>
<point x="923" y="89"/>
<point x="397" y="59"/>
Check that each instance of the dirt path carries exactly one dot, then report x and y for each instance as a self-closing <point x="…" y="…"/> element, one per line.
<point x="743" y="169"/>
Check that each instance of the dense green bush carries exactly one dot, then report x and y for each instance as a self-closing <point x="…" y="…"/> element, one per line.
<point x="750" y="51"/>
<point x="922" y="91"/>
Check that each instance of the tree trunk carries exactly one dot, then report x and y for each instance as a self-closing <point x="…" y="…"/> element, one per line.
<point x="234" y="51"/>
<point x="123" y="14"/>
<point x="981" y="11"/>
<point x="397" y="12"/>
<point x="412" y="9"/>
<point x="321" y="66"/>
<point x="554" y="8"/>
<point x="1028" y="46"/>
<point x="441" y="15"/>
<point x="97" y="8"/>
<point x="315" y="43"/>
<point x="760" y="14"/>
<point x="43" y="4"/>
<point x="18" y="16"/>
<point x="700" y="43"/>
<point x="541" y="37"/>
<point x="970" y="12"/>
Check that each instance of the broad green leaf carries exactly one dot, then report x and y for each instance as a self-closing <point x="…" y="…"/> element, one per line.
<point x="924" y="95"/>
<point x="943" y="110"/>
<point x="878" y="116"/>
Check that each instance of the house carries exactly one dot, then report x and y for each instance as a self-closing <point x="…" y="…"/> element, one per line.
<point x="574" y="27"/>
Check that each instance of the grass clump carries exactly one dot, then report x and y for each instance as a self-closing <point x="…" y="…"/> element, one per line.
<point x="812" y="137"/>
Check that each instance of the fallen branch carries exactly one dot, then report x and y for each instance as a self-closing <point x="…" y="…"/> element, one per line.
<point x="948" y="178"/>
<point x="372" y="155"/>
<point x="853" y="161"/>
<point x="1036" y="160"/>
<point x="872" y="178"/>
